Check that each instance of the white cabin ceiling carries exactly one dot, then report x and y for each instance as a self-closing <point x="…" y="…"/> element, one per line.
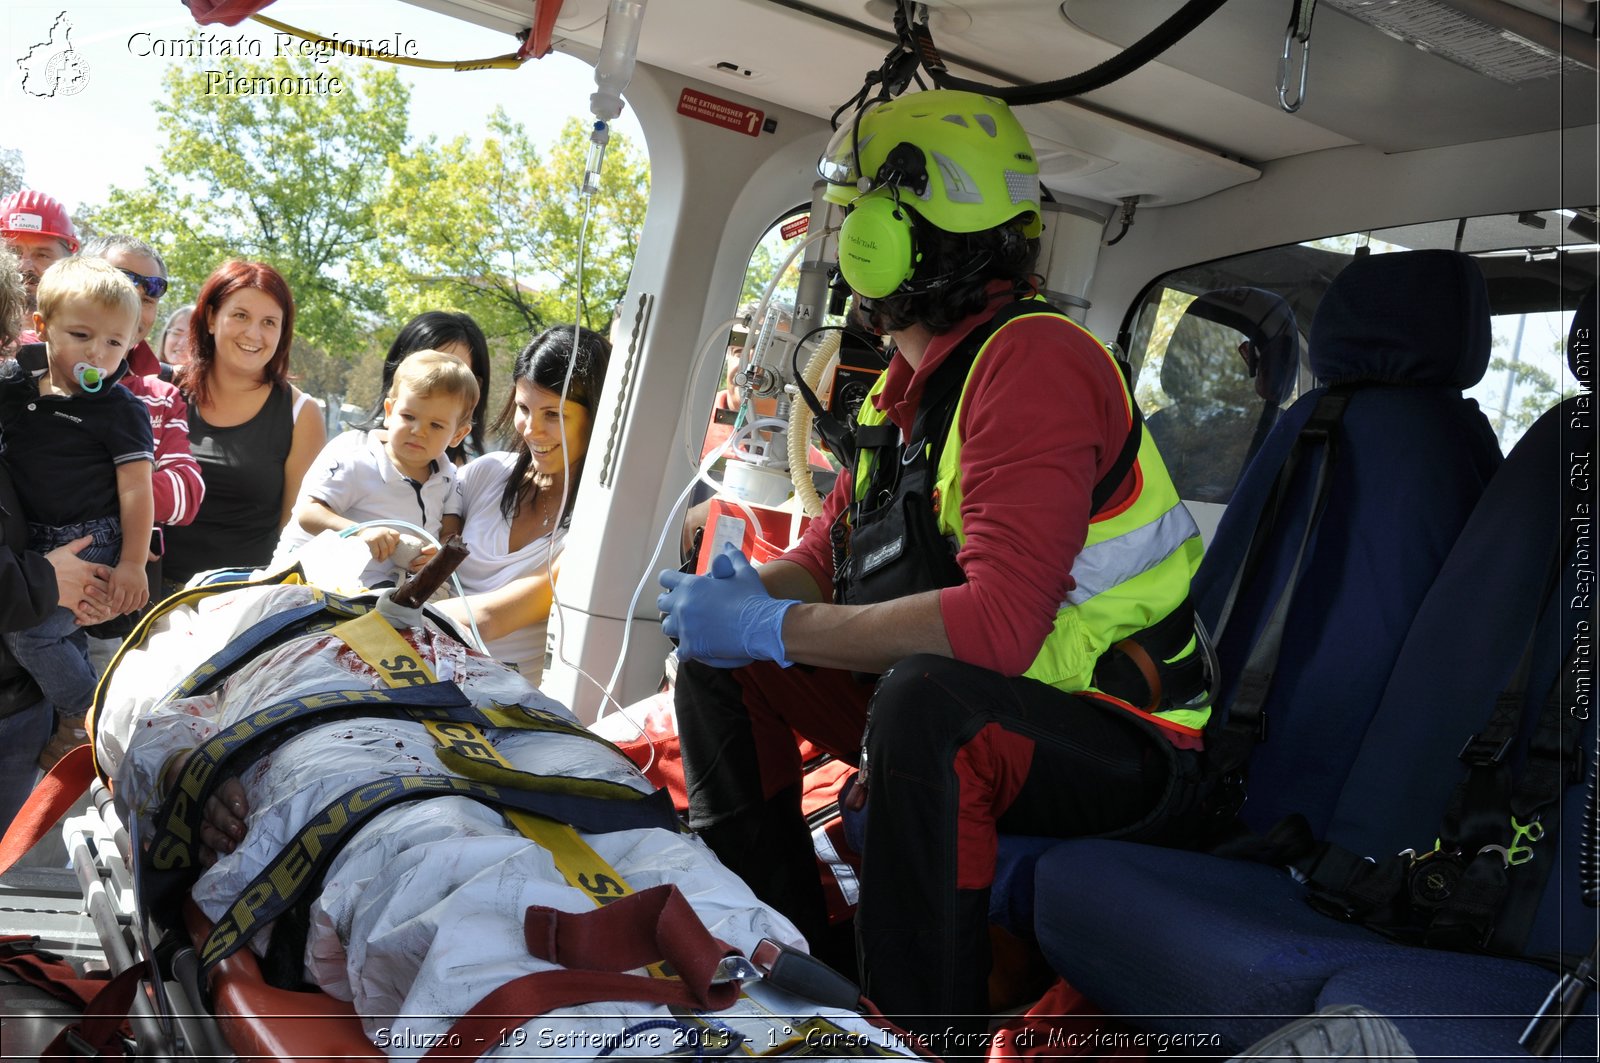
<point x="1197" y="119"/>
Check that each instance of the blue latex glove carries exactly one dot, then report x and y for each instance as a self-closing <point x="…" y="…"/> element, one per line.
<point x="725" y="618"/>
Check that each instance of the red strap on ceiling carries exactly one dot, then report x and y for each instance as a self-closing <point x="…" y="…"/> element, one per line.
<point x="227" y="12"/>
<point x="545" y="13"/>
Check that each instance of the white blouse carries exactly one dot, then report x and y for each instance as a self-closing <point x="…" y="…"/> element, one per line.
<point x="492" y="564"/>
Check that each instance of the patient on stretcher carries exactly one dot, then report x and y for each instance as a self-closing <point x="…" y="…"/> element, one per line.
<point x="420" y="913"/>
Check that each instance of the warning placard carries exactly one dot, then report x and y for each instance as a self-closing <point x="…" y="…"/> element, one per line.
<point x="721" y="112"/>
<point x="794" y="227"/>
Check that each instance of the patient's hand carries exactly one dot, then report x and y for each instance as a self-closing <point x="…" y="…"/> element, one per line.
<point x="222" y="826"/>
<point x="222" y="823"/>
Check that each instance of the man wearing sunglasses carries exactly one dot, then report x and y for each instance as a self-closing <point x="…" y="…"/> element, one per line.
<point x="142" y="265"/>
<point x="176" y="483"/>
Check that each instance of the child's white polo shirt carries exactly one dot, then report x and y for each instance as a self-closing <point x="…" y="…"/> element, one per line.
<point x="354" y="477"/>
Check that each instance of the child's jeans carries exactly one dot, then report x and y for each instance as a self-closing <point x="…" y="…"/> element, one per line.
<point x="106" y="531"/>
<point x="56" y="651"/>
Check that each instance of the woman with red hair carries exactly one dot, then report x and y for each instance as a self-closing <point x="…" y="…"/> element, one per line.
<point x="253" y="433"/>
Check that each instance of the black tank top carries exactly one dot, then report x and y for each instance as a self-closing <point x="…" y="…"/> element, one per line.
<point x="237" y="526"/>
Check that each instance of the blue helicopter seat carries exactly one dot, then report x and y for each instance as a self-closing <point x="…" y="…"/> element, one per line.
<point x="1233" y="946"/>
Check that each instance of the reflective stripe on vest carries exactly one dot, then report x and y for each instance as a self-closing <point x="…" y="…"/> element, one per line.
<point x="1135" y="565"/>
<point x="1102" y="565"/>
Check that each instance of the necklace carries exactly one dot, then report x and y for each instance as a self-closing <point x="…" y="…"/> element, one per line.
<point x="541" y="523"/>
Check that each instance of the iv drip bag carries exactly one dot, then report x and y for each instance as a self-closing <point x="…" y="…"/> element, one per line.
<point x="614" y="68"/>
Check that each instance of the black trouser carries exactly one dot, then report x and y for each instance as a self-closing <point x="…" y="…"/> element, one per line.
<point x="958" y="754"/>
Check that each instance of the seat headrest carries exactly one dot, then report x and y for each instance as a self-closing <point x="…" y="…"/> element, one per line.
<point x="1580" y="340"/>
<point x="1410" y="317"/>
<point x="1267" y="323"/>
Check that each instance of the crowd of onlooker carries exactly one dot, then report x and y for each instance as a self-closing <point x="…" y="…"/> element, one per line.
<point x="129" y="470"/>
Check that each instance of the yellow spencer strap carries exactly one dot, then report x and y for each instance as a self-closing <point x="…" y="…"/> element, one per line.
<point x="377" y="643"/>
<point x="141" y="632"/>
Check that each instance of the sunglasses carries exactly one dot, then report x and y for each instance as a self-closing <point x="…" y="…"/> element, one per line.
<point x="154" y="287"/>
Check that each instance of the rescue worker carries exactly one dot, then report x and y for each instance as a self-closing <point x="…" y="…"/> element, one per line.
<point x="959" y="593"/>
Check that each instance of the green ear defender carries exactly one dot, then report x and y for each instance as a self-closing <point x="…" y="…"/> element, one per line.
<point x="877" y="253"/>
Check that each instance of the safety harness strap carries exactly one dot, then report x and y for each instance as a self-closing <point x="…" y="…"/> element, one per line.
<point x="1478" y="889"/>
<point x="172" y="858"/>
<point x="654" y="927"/>
<point x="21" y="955"/>
<point x="299" y="866"/>
<point x="60" y="788"/>
<point x="99" y="1034"/>
<point x="262" y="636"/>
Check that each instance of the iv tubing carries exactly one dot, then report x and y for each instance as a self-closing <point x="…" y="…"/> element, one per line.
<point x="702" y="474"/>
<point x="717" y="331"/>
<point x="587" y="189"/>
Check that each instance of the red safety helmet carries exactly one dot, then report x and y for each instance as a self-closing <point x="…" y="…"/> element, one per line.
<point x="29" y="211"/>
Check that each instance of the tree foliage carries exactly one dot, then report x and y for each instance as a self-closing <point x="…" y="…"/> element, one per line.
<point x="493" y="229"/>
<point x="285" y="179"/>
<point x="371" y="228"/>
<point x="11" y="171"/>
<point x="1526" y="392"/>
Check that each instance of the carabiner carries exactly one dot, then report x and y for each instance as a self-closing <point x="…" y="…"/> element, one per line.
<point x="1520" y="851"/>
<point x="1299" y="31"/>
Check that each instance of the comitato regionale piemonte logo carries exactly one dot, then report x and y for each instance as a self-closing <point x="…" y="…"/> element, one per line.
<point x="53" y="67"/>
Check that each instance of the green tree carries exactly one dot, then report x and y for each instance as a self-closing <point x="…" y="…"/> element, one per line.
<point x="11" y="171"/>
<point x="493" y="229"/>
<point x="768" y="255"/>
<point x="1527" y="391"/>
<point x="288" y="179"/>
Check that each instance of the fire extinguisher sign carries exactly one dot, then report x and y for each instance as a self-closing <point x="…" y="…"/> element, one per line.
<point x="725" y="113"/>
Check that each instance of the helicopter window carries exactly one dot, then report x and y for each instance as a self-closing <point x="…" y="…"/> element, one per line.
<point x="1221" y="347"/>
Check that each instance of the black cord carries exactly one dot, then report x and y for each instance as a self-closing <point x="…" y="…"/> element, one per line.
<point x="834" y="432"/>
<point x="1179" y="25"/>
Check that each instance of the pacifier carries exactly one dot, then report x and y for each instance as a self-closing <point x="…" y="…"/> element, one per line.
<point x="89" y="377"/>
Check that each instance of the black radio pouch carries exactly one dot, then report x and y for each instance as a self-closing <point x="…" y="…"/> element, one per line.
<point x="895" y="548"/>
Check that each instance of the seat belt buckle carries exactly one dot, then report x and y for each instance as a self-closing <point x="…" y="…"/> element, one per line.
<point x="805" y="976"/>
<point x="734" y="969"/>
<point x="1480" y="752"/>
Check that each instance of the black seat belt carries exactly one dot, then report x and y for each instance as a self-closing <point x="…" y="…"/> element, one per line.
<point x="1230" y="740"/>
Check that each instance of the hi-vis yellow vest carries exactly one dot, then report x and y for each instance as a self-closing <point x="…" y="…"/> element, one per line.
<point x="1133" y="570"/>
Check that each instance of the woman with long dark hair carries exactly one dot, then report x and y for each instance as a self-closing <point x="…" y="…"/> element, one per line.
<point x="253" y="433"/>
<point x="516" y="505"/>
<point x="455" y="334"/>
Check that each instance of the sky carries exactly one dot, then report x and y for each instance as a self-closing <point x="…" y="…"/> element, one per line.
<point x="77" y="147"/>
